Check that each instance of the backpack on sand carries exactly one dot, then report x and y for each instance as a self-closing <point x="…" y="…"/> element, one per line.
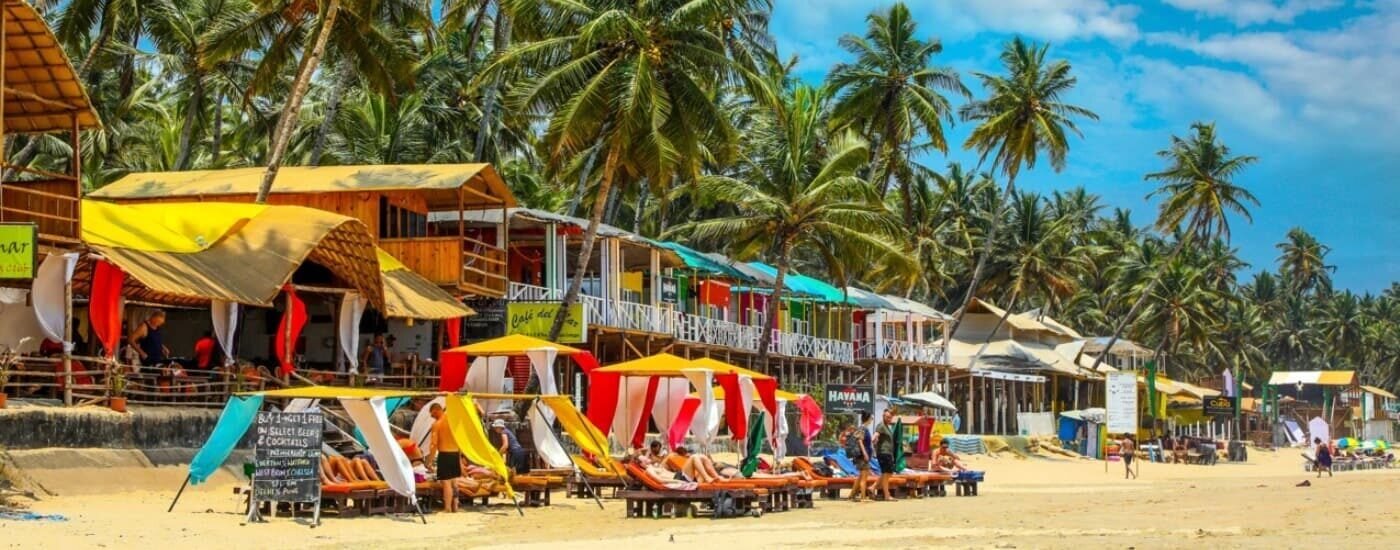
<point x="723" y="504"/>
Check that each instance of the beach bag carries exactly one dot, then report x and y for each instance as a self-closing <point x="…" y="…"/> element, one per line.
<point x="852" y="445"/>
<point x="823" y="470"/>
<point x="723" y="504"/>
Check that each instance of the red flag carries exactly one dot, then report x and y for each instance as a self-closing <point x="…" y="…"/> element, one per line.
<point x="105" y="306"/>
<point x="295" y="318"/>
<point x="452" y="372"/>
<point x="767" y="389"/>
<point x="812" y="418"/>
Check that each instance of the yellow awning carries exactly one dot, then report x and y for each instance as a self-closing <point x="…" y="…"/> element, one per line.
<point x="1378" y="391"/>
<point x="780" y="394"/>
<point x="410" y="295"/>
<point x="514" y="344"/>
<point x="661" y="364"/>
<point x="724" y="368"/>
<point x="439" y="182"/>
<point x="333" y="392"/>
<point x="466" y="428"/>
<point x="193" y="252"/>
<point x="588" y="437"/>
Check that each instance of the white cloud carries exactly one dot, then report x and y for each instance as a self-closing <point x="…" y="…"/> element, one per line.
<point x="1252" y="12"/>
<point x="1196" y="92"/>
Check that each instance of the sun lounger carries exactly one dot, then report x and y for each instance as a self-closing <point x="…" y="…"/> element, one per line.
<point x="592" y="477"/>
<point x="782" y="491"/>
<point x="832" y="485"/>
<point x="658" y="500"/>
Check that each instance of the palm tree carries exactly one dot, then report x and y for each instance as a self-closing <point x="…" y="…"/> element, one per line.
<point x="890" y="94"/>
<point x="368" y="33"/>
<point x="1305" y="261"/>
<point x="1023" y="117"/>
<point x="634" y="80"/>
<point x="798" y="184"/>
<point x="1179" y="309"/>
<point x="1199" y="193"/>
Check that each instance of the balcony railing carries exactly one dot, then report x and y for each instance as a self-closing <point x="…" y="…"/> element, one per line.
<point x="687" y="327"/>
<point x="904" y="351"/>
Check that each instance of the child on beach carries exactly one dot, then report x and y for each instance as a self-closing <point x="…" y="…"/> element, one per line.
<point x="1323" y="458"/>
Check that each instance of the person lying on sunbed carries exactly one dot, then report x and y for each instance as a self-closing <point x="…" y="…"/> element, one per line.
<point x="699" y="468"/>
<point x="945" y="460"/>
<point x="659" y="472"/>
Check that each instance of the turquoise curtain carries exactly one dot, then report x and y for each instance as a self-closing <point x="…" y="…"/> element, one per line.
<point x="238" y="415"/>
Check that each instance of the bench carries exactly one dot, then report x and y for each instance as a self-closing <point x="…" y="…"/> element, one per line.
<point x="679" y="504"/>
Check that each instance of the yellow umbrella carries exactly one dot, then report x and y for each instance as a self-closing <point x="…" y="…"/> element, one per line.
<point x="514" y="344"/>
<point x="779" y="394"/>
<point x="720" y="367"/>
<point x="661" y="364"/>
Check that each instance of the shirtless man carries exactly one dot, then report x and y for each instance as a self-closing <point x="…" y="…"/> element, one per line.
<point x="944" y="459"/>
<point x="446" y="456"/>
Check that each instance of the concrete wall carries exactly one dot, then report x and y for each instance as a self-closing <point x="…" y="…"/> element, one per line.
<point x="94" y="427"/>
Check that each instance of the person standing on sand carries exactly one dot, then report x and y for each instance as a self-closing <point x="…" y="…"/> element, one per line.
<point x="1126" y="448"/>
<point x="1323" y="460"/>
<point x="884" y="452"/>
<point x="447" y="457"/>
<point x="863" y="435"/>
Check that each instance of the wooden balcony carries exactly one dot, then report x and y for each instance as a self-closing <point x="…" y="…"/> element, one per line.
<point x="50" y="204"/>
<point x="460" y="263"/>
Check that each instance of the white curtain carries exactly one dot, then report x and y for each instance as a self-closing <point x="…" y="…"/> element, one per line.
<point x="780" y="434"/>
<point x="225" y="317"/>
<point x="19" y="326"/>
<point x="707" y="415"/>
<point x="542" y="363"/>
<point x="670" y="395"/>
<point x="546" y="444"/>
<point x="488" y="375"/>
<point x="352" y="308"/>
<point x="746" y="393"/>
<point x="54" y="273"/>
<point x="423" y="424"/>
<point x="371" y="418"/>
<point x="631" y="398"/>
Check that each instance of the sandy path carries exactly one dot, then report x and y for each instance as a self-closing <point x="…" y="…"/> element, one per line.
<point x="1026" y="504"/>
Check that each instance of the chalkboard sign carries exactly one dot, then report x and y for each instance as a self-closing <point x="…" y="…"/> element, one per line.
<point x="489" y="321"/>
<point x="287" y="457"/>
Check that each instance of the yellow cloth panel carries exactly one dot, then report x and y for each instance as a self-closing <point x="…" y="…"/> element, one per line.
<point x="710" y="363"/>
<point x="514" y="344"/>
<point x="632" y="280"/>
<point x="387" y="262"/>
<point x="588" y="437"/>
<point x="467" y="430"/>
<point x="163" y="227"/>
<point x="332" y="392"/>
<point x="780" y="395"/>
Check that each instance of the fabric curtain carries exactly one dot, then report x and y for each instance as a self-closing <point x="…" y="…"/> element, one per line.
<point x="603" y="388"/>
<point x="780" y="440"/>
<point x="391" y="404"/>
<point x="352" y="308"/>
<point x="684" y="419"/>
<point x="488" y="375"/>
<point x="585" y="361"/>
<point x="453" y="331"/>
<point x="546" y="443"/>
<point x="703" y="382"/>
<point x="372" y="418"/>
<point x="48" y="294"/>
<point x="631" y="405"/>
<point x="812" y="418"/>
<point x="237" y="416"/>
<point x="542" y="363"/>
<point x="452" y="371"/>
<point x="767" y="389"/>
<point x="736" y="414"/>
<point x="471" y="438"/>
<point x="592" y="441"/>
<point x="19" y="326"/>
<point x="639" y="435"/>
<point x="105" y="305"/>
<point x="225" y="316"/>
<point x="671" y="395"/>
<point x="289" y="330"/>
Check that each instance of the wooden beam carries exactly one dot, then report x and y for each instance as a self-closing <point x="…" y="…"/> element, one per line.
<point x="64" y="108"/>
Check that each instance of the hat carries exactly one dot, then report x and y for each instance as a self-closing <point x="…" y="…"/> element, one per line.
<point x="498" y="423"/>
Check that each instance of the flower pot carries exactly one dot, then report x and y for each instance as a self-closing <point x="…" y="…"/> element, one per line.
<point x="3" y="398"/>
<point x="117" y="404"/>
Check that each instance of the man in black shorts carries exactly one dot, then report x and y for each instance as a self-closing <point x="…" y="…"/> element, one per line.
<point x="884" y="451"/>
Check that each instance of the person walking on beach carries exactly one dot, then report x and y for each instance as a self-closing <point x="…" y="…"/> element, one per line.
<point x="1126" y="448"/>
<point x="1324" y="457"/>
<point x="860" y="436"/>
<point x="446" y="456"/>
<point x="884" y="452"/>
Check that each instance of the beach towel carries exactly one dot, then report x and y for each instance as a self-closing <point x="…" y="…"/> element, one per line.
<point x="842" y="461"/>
<point x="30" y="516"/>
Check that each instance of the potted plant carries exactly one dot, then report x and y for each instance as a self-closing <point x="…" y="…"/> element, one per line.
<point x="116" y="389"/>
<point x="8" y="360"/>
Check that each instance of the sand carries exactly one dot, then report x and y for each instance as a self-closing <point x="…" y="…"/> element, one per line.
<point x="1026" y="503"/>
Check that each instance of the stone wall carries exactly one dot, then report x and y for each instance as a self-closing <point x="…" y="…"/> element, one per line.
<point x="96" y="427"/>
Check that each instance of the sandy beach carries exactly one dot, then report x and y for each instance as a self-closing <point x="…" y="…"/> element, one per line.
<point x="1026" y="503"/>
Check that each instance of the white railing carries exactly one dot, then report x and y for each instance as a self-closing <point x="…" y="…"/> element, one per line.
<point x="904" y="351"/>
<point x="520" y="292"/>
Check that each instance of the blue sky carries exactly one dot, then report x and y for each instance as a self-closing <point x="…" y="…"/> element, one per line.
<point x="1312" y="87"/>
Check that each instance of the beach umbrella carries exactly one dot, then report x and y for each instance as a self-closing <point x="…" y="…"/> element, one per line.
<point x="1346" y="443"/>
<point x="898" y="446"/>
<point x="755" y="445"/>
<point x="1381" y="444"/>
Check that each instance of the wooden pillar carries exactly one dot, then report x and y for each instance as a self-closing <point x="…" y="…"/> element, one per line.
<point x="67" y="339"/>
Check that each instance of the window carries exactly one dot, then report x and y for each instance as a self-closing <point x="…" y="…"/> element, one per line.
<point x="396" y="222"/>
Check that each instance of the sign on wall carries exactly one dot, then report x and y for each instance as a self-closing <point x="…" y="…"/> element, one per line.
<point x="850" y="398"/>
<point x="1122" y="400"/>
<point x="19" y="250"/>
<point x="1219" y="405"/>
<point x="536" y="318"/>
<point x="670" y="292"/>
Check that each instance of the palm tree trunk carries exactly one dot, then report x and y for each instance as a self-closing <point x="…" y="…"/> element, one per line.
<point x="610" y="210"/>
<point x="286" y="124"/>
<point x="590" y="237"/>
<point x="582" y="182"/>
<point x="476" y="27"/>
<point x="347" y="72"/>
<point x="641" y="207"/>
<point x="192" y="112"/>
<point x="216" y="140"/>
<point x="500" y="41"/>
<point x="987" y="249"/>
<point x="1142" y="299"/>
<point x="770" y="319"/>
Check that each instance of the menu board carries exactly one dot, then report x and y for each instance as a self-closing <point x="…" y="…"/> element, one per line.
<point x="287" y="457"/>
<point x="1122" y="400"/>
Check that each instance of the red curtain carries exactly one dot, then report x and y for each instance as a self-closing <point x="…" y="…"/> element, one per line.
<point x="295" y="318"/>
<point x="105" y="306"/>
<point x="767" y="394"/>
<point x="585" y="361"/>
<point x="684" y="418"/>
<point x="639" y="435"/>
<point x="734" y="414"/>
<point x="812" y="418"/>
<point x="452" y="372"/>
<point x="602" y="398"/>
<point x="453" y="328"/>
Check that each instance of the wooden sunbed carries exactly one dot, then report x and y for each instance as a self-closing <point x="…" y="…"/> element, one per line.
<point x="591" y="477"/>
<point x="658" y="500"/>
<point x="782" y="491"/>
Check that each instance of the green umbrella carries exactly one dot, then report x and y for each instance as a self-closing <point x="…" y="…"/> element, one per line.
<point x="898" y="446"/>
<point x="757" y="434"/>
